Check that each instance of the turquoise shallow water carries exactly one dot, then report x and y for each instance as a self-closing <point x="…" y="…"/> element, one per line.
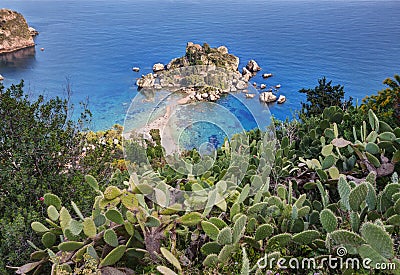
<point x="96" y="43"/>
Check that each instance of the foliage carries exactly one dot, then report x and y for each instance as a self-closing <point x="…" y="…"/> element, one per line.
<point x="386" y="104"/>
<point x="322" y="96"/>
<point x="42" y="150"/>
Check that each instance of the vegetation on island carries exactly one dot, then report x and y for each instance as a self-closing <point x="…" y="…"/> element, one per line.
<point x="71" y="207"/>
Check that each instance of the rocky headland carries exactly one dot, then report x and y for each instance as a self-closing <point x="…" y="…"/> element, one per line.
<point x="15" y="34"/>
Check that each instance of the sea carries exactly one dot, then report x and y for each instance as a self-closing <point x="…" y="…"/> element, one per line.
<point x="92" y="45"/>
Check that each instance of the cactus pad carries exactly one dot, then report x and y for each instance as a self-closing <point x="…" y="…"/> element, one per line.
<point x="306" y="237"/>
<point x="52" y="213"/>
<point x="110" y="237"/>
<point x="112" y="192"/>
<point x="225" y="236"/>
<point x="39" y="227"/>
<point x="210" y="229"/>
<point x="378" y="239"/>
<point x="190" y="219"/>
<point x="357" y="196"/>
<point x="70" y="246"/>
<point x="114" y="256"/>
<point x="115" y="216"/>
<point x="263" y="231"/>
<point x="211" y="248"/>
<point x="328" y="220"/>
<point x="238" y="228"/>
<point x="211" y="260"/>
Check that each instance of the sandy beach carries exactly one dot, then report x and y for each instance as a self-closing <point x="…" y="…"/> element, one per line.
<point x="163" y="124"/>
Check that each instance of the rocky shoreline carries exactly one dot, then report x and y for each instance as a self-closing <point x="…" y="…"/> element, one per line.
<point x="15" y="34"/>
<point x="205" y="74"/>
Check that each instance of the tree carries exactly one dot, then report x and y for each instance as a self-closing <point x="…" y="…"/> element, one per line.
<point x="322" y="96"/>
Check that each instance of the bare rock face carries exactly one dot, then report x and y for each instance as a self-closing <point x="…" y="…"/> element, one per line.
<point x="14" y="32"/>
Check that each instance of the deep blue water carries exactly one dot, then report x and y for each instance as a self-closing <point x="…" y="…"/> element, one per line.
<point x="95" y="43"/>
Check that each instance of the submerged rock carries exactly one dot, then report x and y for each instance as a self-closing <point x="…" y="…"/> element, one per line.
<point x="136" y="69"/>
<point x="14" y="32"/>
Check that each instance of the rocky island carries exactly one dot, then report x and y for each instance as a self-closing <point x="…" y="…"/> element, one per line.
<point x="15" y="34"/>
<point x="204" y="74"/>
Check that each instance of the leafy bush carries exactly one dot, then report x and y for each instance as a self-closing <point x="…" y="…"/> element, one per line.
<point x="42" y="150"/>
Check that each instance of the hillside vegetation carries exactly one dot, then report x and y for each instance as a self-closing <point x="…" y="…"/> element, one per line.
<point x="327" y="185"/>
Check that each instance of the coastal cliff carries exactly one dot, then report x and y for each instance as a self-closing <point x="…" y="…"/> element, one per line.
<point x="15" y="33"/>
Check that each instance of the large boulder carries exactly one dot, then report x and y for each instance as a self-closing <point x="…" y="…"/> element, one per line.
<point x="267" y="97"/>
<point x="158" y="67"/>
<point x="253" y="67"/>
<point x="14" y="32"/>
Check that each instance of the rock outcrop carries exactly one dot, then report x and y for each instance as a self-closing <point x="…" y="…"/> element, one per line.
<point x="14" y="32"/>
